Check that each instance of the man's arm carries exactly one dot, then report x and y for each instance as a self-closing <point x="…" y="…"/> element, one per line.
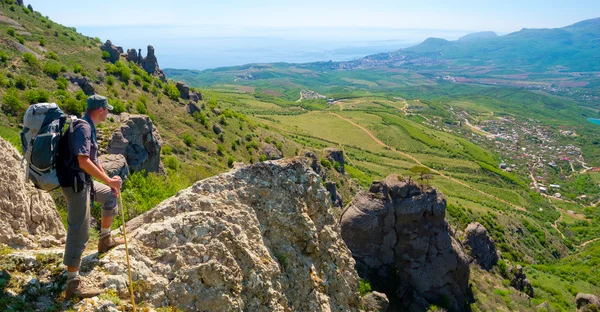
<point x="95" y="171"/>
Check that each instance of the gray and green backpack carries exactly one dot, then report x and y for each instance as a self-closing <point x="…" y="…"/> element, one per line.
<point x="43" y="128"/>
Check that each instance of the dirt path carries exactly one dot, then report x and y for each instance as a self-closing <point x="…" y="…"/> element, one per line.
<point x="589" y="242"/>
<point x="421" y="164"/>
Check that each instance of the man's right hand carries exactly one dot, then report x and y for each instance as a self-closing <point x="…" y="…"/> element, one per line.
<point x="115" y="182"/>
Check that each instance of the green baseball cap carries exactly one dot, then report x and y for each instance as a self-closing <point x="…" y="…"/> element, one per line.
<point x="96" y="101"/>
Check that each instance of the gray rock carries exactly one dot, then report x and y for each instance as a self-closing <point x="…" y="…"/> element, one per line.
<point x="150" y="63"/>
<point x="402" y="228"/>
<point x="195" y="96"/>
<point x="481" y="247"/>
<point x="544" y="307"/>
<point x="115" y="165"/>
<point x="586" y="301"/>
<point x="336" y="155"/>
<point x="217" y="128"/>
<point x="120" y="49"/>
<point x="336" y="198"/>
<point x="270" y="151"/>
<point x="520" y="282"/>
<point x="24" y="210"/>
<point x="216" y="111"/>
<point x="132" y="56"/>
<point x="184" y="90"/>
<point x="30" y="8"/>
<point x="138" y="140"/>
<point x="112" y="50"/>
<point x="22" y="49"/>
<point x="83" y="82"/>
<point x="375" y="302"/>
<point x="191" y="108"/>
<point x="19" y="2"/>
<point x="315" y="165"/>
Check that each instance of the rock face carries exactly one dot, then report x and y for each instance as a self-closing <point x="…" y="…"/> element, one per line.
<point x="481" y="247"/>
<point x="258" y="238"/>
<point x="115" y="165"/>
<point x="184" y="90"/>
<point x="19" y="2"/>
<point x="195" y="96"/>
<point x="585" y="302"/>
<point x="30" y="8"/>
<point x="138" y="140"/>
<point x="375" y="302"/>
<point x="150" y="63"/>
<point x="336" y="198"/>
<point x="398" y="227"/>
<point x="132" y="56"/>
<point x="84" y="83"/>
<point x="520" y="281"/>
<point x="28" y="217"/>
<point x="335" y="155"/>
<point x="112" y="50"/>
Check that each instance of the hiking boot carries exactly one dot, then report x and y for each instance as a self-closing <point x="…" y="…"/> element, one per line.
<point x="107" y="242"/>
<point x="75" y="288"/>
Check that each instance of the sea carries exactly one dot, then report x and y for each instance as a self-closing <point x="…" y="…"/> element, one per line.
<point x="203" y="47"/>
<point x="594" y="121"/>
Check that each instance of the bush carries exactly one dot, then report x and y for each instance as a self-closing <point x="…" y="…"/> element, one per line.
<point x="167" y="150"/>
<point x="11" y="103"/>
<point x="53" y="68"/>
<point x="262" y="157"/>
<point x="42" y="41"/>
<point x="187" y="139"/>
<point x="230" y="161"/>
<point x="34" y="96"/>
<point x="72" y="106"/>
<point x="364" y="287"/>
<point x="118" y="107"/>
<point x="62" y="83"/>
<point x="172" y="91"/>
<point x="21" y="82"/>
<point x="77" y="69"/>
<point x="32" y="60"/>
<point x="137" y="80"/>
<point x="11" y="32"/>
<point x="3" y="56"/>
<point x="201" y="117"/>
<point x="172" y="163"/>
<point x="21" y="39"/>
<point x="220" y="149"/>
<point x="110" y="80"/>
<point x="105" y="55"/>
<point x="325" y="163"/>
<point x="141" y="108"/>
<point x="53" y="56"/>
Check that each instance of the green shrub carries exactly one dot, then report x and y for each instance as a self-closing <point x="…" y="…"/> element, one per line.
<point x="26" y="10"/>
<point x="32" y="60"/>
<point x="35" y="96"/>
<point x="141" y="108"/>
<point x="11" y="32"/>
<point x="21" y="40"/>
<point x="62" y="83"/>
<point x="187" y="139"/>
<point x="230" y="161"/>
<point x="364" y="287"/>
<point x="53" y="68"/>
<point x="77" y="68"/>
<point x="53" y="56"/>
<point x="325" y="163"/>
<point x="3" y="56"/>
<point x="105" y="55"/>
<point x="42" y="41"/>
<point x="118" y="107"/>
<point x="110" y="80"/>
<point x="167" y="150"/>
<point x="172" y="162"/>
<point x="201" y="117"/>
<point x="137" y="80"/>
<point x="21" y="82"/>
<point x="220" y="149"/>
<point x="262" y="157"/>
<point x="172" y="91"/>
<point x="11" y="103"/>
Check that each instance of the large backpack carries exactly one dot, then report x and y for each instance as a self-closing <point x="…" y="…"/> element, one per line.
<point x="43" y="126"/>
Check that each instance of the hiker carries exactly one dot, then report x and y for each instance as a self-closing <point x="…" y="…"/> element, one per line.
<point x="77" y="166"/>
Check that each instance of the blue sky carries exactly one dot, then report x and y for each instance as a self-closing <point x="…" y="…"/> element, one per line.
<point x="501" y="15"/>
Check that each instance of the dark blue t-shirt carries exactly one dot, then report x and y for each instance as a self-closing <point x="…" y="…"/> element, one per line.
<point x="84" y="141"/>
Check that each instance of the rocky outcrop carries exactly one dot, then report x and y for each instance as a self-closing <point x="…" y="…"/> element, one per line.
<point x="83" y="82"/>
<point x="258" y="238"/>
<point x="132" y="56"/>
<point x="184" y="90"/>
<point x="28" y="217"/>
<point x="520" y="282"/>
<point x="481" y="247"/>
<point x="112" y="50"/>
<point x="138" y="140"/>
<point x="375" y="302"/>
<point x="587" y="302"/>
<point x="336" y="198"/>
<point x="114" y="165"/>
<point x="19" y="2"/>
<point x="30" y="8"/>
<point x="195" y="96"/>
<point x="270" y="151"/>
<point x="316" y="166"/>
<point x="336" y="155"/>
<point x="150" y="63"/>
<point x="191" y="108"/>
<point x="401" y="242"/>
<point x="216" y="111"/>
<point x="217" y="129"/>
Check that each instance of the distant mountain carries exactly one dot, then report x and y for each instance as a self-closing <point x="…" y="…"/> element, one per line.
<point x="574" y="48"/>
<point x="478" y="35"/>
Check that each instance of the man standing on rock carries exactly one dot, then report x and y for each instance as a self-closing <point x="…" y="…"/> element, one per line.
<point x="77" y="165"/>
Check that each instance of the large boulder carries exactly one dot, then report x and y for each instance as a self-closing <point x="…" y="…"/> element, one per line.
<point x="401" y="242"/>
<point x="195" y="96"/>
<point x="375" y="302"/>
<point x="481" y="247"/>
<point x="28" y="216"/>
<point x="217" y="128"/>
<point x="336" y="198"/>
<point x="258" y="238"/>
<point x="114" y="165"/>
<point x="184" y="90"/>
<point x="586" y="302"/>
<point x="270" y="151"/>
<point x="138" y="140"/>
<point x="192" y="107"/>
<point x="150" y="63"/>
<point x="520" y="281"/>
<point x="132" y="56"/>
<point x="335" y="155"/>
<point x="19" y="2"/>
<point x="112" y="50"/>
<point x="83" y="82"/>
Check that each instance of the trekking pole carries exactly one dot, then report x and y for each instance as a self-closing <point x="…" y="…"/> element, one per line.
<point x="126" y="251"/>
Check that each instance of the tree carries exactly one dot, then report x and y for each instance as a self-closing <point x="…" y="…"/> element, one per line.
<point x="421" y="171"/>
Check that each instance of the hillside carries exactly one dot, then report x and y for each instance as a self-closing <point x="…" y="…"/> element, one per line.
<point x="488" y="149"/>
